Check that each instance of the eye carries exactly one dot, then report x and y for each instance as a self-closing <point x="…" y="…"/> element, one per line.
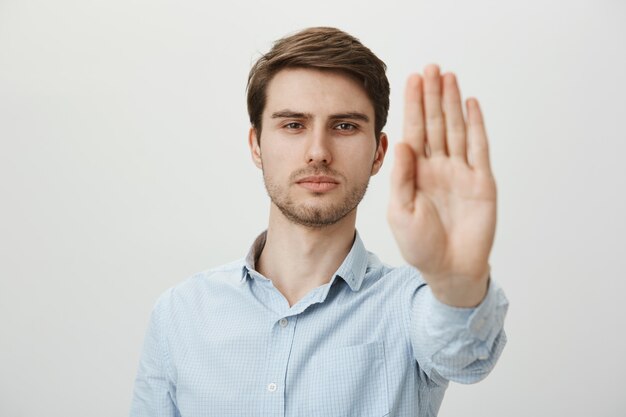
<point x="345" y="127"/>
<point x="293" y="126"/>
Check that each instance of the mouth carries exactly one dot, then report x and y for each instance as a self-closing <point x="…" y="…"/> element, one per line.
<point x="318" y="183"/>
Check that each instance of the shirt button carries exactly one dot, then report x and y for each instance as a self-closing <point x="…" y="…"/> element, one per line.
<point x="283" y="322"/>
<point x="272" y="387"/>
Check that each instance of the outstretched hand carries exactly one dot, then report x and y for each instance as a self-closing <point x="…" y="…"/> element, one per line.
<point x="442" y="209"/>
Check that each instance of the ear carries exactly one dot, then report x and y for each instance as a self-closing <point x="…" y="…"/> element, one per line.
<point x="255" y="149"/>
<point x="380" y="153"/>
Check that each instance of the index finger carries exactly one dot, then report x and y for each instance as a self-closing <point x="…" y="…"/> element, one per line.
<point x="414" y="129"/>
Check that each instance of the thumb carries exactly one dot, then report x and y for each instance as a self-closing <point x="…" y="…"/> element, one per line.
<point x="403" y="176"/>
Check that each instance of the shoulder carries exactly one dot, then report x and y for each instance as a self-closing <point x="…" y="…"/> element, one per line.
<point x="398" y="283"/>
<point x="404" y="276"/>
<point x="202" y="286"/>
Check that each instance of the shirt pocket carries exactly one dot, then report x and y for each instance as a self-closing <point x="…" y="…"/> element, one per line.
<point x="349" y="381"/>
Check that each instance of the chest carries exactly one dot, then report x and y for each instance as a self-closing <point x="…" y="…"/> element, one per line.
<point x="331" y="359"/>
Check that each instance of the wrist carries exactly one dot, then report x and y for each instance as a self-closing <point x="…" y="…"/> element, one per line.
<point x="460" y="291"/>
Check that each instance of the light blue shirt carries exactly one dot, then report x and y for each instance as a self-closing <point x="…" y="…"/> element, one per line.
<point x="373" y="341"/>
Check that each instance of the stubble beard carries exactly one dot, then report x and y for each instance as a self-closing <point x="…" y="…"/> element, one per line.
<point x="314" y="216"/>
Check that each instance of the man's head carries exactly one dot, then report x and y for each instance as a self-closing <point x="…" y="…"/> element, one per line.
<point x="321" y="48"/>
<point x="321" y="100"/>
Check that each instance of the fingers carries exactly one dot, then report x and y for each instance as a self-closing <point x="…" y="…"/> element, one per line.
<point x="414" y="132"/>
<point x="434" y="123"/>
<point x="403" y="178"/>
<point x="435" y="126"/>
<point x="455" y="122"/>
<point x="477" y="137"/>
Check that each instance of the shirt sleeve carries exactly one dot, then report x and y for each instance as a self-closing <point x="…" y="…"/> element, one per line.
<point x="457" y="344"/>
<point x="154" y="393"/>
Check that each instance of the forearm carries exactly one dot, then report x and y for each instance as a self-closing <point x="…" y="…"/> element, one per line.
<point x="458" y="344"/>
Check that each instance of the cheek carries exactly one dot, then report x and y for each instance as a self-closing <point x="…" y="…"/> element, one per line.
<point x="361" y="162"/>
<point x="361" y="147"/>
<point x="275" y="165"/>
<point x="279" y="158"/>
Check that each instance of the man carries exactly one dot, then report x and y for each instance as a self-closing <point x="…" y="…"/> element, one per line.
<point x="310" y="323"/>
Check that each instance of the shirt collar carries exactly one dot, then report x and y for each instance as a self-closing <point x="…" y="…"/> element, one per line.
<point x="352" y="269"/>
<point x="253" y="254"/>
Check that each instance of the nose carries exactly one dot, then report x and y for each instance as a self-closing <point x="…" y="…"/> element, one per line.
<point x="318" y="148"/>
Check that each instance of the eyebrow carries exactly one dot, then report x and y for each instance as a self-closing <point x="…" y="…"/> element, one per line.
<point x="289" y="114"/>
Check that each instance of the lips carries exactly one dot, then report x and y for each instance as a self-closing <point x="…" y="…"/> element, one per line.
<point x="318" y="183"/>
<point x="318" y="179"/>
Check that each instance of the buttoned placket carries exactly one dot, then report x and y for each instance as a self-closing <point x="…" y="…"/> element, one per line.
<point x="281" y="339"/>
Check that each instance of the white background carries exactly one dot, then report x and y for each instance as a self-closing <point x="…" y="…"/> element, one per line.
<point x="124" y="168"/>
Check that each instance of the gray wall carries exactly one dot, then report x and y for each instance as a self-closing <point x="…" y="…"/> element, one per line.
<point x="124" y="169"/>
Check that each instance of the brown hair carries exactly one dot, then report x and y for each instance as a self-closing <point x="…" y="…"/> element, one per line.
<point x="323" y="48"/>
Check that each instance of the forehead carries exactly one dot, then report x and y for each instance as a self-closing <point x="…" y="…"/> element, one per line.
<point x="317" y="92"/>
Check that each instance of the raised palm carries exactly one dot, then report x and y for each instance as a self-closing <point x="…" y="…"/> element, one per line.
<point x="442" y="209"/>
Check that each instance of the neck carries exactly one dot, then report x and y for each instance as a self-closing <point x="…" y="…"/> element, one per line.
<point x="298" y="258"/>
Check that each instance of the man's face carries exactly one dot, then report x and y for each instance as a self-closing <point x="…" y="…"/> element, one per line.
<point x="318" y="145"/>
